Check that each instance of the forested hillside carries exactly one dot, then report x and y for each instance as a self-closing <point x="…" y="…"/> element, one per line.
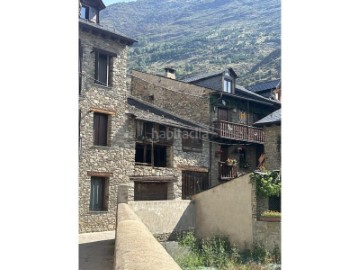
<point x="201" y="35"/>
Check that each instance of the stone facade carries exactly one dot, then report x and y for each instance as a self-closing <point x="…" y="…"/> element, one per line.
<point x="116" y="161"/>
<point x="179" y="160"/>
<point x="176" y="96"/>
<point x="111" y="161"/>
<point x="272" y="145"/>
<point x="264" y="232"/>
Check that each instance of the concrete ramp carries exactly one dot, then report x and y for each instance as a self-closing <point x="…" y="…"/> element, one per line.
<point x="135" y="246"/>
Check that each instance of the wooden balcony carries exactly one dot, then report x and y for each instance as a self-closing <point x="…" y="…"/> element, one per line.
<point x="239" y="132"/>
<point x="227" y="172"/>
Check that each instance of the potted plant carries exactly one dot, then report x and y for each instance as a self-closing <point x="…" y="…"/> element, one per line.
<point x="231" y="162"/>
<point x="270" y="216"/>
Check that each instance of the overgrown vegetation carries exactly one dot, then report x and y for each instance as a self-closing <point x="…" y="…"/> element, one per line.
<point x="270" y="213"/>
<point x="268" y="183"/>
<point x="218" y="253"/>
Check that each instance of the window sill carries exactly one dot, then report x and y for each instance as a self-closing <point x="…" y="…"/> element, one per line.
<point x="103" y="86"/>
<point x="137" y="164"/>
<point x="100" y="147"/>
<point x="98" y="212"/>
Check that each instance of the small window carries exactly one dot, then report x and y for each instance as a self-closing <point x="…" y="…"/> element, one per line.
<point x="99" y="194"/>
<point x="146" y="154"/>
<point x="85" y="12"/>
<point x="227" y="86"/>
<point x="100" y="129"/>
<point x="102" y="68"/>
<point x="275" y="204"/>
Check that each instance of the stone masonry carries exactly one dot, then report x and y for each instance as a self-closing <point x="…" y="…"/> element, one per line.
<point x="272" y="145"/>
<point x="110" y="161"/>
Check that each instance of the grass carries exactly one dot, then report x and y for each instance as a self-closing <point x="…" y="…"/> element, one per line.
<point x="218" y="253"/>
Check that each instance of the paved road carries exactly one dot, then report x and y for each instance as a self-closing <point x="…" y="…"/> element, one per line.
<point x="96" y="251"/>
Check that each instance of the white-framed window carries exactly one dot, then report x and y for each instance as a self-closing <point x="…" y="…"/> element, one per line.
<point x="227" y="86"/>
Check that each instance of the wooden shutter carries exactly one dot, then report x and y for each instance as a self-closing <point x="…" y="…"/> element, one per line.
<point x="223" y="114"/>
<point x="100" y="129"/>
<point x="103" y="69"/>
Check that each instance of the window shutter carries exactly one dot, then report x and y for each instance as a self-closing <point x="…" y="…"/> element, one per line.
<point x="97" y="66"/>
<point x="103" y="129"/>
<point x="100" y="129"/>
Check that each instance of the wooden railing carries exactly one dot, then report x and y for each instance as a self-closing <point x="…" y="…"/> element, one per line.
<point x="227" y="172"/>
<point x="240" y="132"/>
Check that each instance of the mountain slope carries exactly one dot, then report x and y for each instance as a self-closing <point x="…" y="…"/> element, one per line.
<point x="201" y="35"/>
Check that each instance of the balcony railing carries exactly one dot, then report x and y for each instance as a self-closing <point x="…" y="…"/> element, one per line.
<point x="227" y="172"/>
<point x="239" y="132"/>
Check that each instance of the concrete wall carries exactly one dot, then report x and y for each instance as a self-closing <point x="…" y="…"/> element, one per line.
<point x="135" y="246"/>
<point x="165" y="219"/>
<point x="227" y="210"/>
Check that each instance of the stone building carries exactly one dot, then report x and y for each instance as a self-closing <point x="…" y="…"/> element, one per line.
<point x="104" y="154"/>
<point x="271" y="125"/>
<point x="217" y="102"/>
<point x="171" y="153"/>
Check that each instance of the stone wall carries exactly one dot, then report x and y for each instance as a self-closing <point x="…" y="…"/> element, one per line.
<point x="268" y="233"/>
<point x="110" y="161"/>
<point x="272" y="145"/>
<point x="176" y="96"/>
<point x="264" y="232"/>
<point x="116" y="161"/>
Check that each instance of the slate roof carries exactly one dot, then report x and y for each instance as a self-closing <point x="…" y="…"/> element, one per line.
<point x="201" y="76"/>
<point x="198" y="77"/>
<point x="243" y="92"/>
<point x="87" y="25"/>
<point x="148" y="112"/>
<point x="264" y="86"/>
<point x="274" y="117"/>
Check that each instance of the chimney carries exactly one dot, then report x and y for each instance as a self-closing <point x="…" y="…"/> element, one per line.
<point x="170" y="73"/>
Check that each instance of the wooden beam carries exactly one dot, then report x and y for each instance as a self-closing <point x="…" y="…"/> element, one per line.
<point x="100" y="174"/>
<point x="105" y="111"/>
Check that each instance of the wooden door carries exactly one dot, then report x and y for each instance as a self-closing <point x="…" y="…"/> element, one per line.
<point x="193" y="182"/>
<point x="152" y="191"/>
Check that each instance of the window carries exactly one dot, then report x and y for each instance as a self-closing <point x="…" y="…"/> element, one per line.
<point x="155" y="155"/>
<point x="227" y="86"/>
<point x="275" y="204"/>
<point x="80" y="66"/>
<point x="147" y="131"/>
<point x="99" y="194"/>
<point x="191" y="143"/>
<point x="100" y="129"/>
<point x="84" y="12"/>
<point x="103" y="68"/>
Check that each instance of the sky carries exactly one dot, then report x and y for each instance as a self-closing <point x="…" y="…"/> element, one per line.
<point x="109" y="2"/>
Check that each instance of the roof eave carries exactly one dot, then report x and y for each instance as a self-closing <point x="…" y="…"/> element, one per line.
<point x="85" y="25"/>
